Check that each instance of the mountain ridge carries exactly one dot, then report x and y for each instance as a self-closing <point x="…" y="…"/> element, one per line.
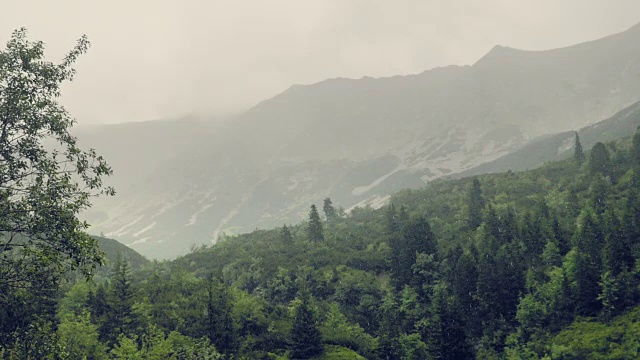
<point x="268" y="164"/>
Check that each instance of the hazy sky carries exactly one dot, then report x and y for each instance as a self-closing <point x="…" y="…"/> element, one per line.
<point x="164" y="58"/>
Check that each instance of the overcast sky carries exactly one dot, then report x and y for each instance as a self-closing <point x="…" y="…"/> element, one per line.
<point x="165" y="58"/>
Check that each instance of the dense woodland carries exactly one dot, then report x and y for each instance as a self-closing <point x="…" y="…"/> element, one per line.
<point x="536" y="264"/>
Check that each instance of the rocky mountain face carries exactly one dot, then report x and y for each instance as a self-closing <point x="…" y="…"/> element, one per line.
<point x="182" y="183"/>
<point x="561" y="146"/>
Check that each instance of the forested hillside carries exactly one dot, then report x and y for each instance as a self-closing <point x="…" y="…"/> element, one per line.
<point x="518" y="265"/>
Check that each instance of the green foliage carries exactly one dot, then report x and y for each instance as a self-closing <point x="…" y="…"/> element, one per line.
<point x="120" y="315"/>
<point x="42" y="190"/>
<point x="578" y="153"/>
<point x="413" y="347"/>
<point x="475" y="205"/>
<point x="635" y="148"/>
<point x="415" y="237"/>
<point x="587" y="339"/>
<point x="337" y="330"/>
<point x="599" y="162"/>
<point x="334" y="352"/>
<point x="306" y="338"/>
<point x="329" y="210"/>
<point x="220" y="327"/>
<point x="287" y="238"/>
<point x="78" y="337"/>
<point x="508" y="270"/>
<point x="126" y="348"/>
<point x="315" y="231"/>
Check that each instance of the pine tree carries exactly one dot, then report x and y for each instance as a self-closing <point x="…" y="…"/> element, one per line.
<point x="392" y="230"/>
<point x="389" y="347"/>
<point x="559" y="236"/>
<point x="599" y="162"/>
<point x="532" y="237"/>
<point x="608" y="294"/>
<point x="616" y="254"/>
<point x="99" y="309"/>
<point x="392" y="221"/>
<point x="329" y="210"/>
<point x="287" y="238"/>
<point x="463" y="287"/>
<point x="315" y="230"/>
<point x="635" y="148"/>
<point x="475" y="205"/>
<point x="120" y="302"/>
<point x="416" y="237"/>
<point x="445" y="336"/>
<point x="588" y="242"/>
<point x="631" y="226"/>
<point x="589" y="239"/>
<point x="578" y="153"/>
<point x="220" y="328"/>
<point x="305" y="334"/>
<point x="598" y="194"/>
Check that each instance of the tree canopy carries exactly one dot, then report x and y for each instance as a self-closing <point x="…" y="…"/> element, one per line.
<point x="46" y="180"/>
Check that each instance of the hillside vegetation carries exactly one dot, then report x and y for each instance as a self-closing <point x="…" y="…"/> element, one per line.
<point x="518" y="265"/>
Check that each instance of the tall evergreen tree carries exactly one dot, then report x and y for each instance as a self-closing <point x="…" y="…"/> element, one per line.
<point x="393" y="237"/>
<point x="99" y="308"/>
<point x="631" y="222"/>
<point x="598" y="194"/>
<point x="416" y="237"/>
<point x="475" y="205"/>
<point x="559" y="236"/>
<point x="315" y="230"/>
<point x="392" y="221"/>
<point x="588" y="242"/>
<point x="578" y="152"/>
<point x="389" y="347"/>
<point x="599" y="162"/>
<point x="287" y="238"/>
<point x="220" y="327"/>
<point x="305" y="334"/>
<point x="617" y="255"/>
<point x="635" y="148"/>
<point x="120" y="319"/>
<point x="463" y="288"/>
<point x="329" y="210"/>
<point x="531" y="234"/>
<point x="445" y="336"/>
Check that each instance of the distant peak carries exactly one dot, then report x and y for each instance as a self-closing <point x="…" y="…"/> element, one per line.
<point x="497" y="52"/>
<point x="634" y="28"/>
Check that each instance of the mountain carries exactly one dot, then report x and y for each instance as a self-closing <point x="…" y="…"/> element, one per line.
<point x="356" y="141"/>
<point x="561" y="146"/>
<point x="113" y="249"/>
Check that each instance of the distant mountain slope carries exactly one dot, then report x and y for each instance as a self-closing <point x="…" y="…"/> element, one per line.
<point x="135" y="150"/>
<point x="560" y="146"/>
<point x="114" y="249"/>
<point x="356" y="141"/>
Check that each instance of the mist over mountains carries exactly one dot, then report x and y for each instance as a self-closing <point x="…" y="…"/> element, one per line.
<point x="187" y="181"/>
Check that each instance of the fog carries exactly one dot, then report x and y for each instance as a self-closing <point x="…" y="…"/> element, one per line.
<point x="160" y="59"/>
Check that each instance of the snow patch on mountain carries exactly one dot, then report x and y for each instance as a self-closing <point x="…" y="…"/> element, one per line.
<point x="194" y="217"/>
<point x="361" y="190"/>
<point x="122" y="231"/>
<point x="139" y="241"/>
<point x="375" y="202"/>
<point x="144" y="229"/>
